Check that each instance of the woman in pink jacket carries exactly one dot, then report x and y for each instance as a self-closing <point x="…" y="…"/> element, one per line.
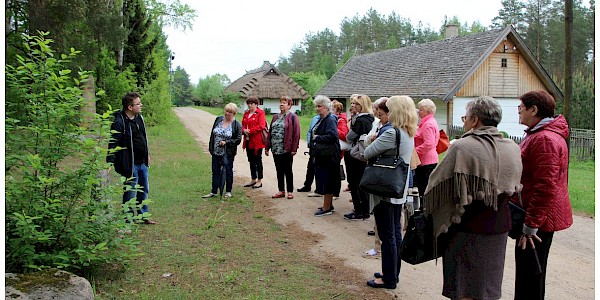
<point x="426" y="139"/>
<point x="545" y="195"/>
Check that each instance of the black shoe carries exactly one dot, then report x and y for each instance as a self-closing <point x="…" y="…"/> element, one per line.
<point x="257" y="186"/>
<point x="353" y="217"/>
<point x="321" y="212"/>
<point x="384" y="285"/>
<point x="321" y="208"/>
<point x="250" y="184"/>
<point x="379" y="275"/>
<point x="304" y="189"/>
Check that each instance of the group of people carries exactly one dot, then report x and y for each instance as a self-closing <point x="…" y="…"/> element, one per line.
<point x="467" y="193"/>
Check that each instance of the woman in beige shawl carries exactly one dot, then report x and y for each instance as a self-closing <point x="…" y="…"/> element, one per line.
<point x="468" y="196"/>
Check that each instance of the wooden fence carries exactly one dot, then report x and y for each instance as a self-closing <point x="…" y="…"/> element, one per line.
<point x="582" y="142"/>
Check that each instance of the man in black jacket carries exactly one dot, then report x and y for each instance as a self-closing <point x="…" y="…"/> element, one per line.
<point x="128" y="151"/>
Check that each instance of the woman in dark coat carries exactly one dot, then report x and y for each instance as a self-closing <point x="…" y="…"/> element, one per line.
<point x="325" y="150"/>
<point x="225" y="136"/>
<point x="361" y="124"/>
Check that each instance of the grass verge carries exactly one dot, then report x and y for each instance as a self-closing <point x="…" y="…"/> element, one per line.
<point x="211" y="249"/>
<point x="582" y="187"/>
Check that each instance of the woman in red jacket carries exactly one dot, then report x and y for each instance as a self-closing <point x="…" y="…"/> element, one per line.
<point x="545" y="195"/>
<point x="253" y="123"/>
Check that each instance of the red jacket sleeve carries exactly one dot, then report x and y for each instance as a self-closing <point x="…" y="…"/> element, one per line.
<point x="342" y="128"/>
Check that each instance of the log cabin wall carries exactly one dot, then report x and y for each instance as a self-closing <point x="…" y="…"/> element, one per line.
<point x="504" y="74"/>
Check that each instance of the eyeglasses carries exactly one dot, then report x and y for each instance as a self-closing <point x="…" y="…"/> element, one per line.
<point x="463" y="118"/>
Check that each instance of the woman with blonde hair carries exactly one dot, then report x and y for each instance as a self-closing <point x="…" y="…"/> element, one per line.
<point x="387" y="211"/>
<point x="355" y="168"/>
<point x="225" y="136"/>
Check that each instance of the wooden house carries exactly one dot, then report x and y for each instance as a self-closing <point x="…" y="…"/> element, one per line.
<point x="268" y="84"/>
<point x="451" y="72"/>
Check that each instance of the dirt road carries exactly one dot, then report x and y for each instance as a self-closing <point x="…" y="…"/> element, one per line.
<point x="570" y="266"/>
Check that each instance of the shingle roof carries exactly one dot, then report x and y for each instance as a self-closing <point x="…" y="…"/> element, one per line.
<point x="267" y="82"/>
<point x="430" y="70"/>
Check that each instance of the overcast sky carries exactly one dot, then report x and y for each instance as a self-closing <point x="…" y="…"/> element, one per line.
<point x="232" y="37"/>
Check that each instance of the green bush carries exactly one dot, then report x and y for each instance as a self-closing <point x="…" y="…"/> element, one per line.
<point x="59" y="211"/>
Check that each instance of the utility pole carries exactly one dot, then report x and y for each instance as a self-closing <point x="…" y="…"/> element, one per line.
<point x="568" y="62"/>
<point x="171" y="58"/>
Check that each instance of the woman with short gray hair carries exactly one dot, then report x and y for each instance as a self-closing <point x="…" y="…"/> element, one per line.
<point x="325" y="151"/>
<point x="468" y="195"/>
<point x="486" y="109"/>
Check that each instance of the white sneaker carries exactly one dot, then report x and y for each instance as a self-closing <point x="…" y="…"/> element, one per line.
<point x="227" y="195"/>
<point x="314" y="195"/>
<point x="209" y="195"/>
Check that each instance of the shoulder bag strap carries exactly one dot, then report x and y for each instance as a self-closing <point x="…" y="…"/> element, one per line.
<point x="397" y="142"/>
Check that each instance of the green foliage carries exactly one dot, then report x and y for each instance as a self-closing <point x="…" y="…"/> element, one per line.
<point x="210" y="90"/>
<point x="114" y="83"/>
<point x="141" y="41"/>
<point x="59" y="211"/>
<point x="181" y="90"/>
<point x="582" y="106"/>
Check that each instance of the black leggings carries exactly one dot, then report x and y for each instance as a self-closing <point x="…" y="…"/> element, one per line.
<point x="422" y="177"/>
<point x="285" y="173"/>
<point x="255" y="160"/>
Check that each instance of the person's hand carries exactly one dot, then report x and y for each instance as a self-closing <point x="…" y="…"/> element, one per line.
<point x="266" y="152"/>
<point x="222" y="143"/>
<point x="526" y="239"/>
<point x="293" y="153"/>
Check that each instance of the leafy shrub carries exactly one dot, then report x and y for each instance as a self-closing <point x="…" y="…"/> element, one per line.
<point x="59" y="211"/>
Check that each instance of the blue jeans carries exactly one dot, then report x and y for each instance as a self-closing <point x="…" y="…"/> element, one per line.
<point x="389" y="228"/>
<point x="140" y="177"/>
<point x="222" y="164"/>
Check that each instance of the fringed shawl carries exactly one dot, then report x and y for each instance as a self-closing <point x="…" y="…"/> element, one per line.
<point x="479" y="166"/>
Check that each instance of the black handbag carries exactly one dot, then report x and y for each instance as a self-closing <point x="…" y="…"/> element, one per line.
<point x="417" y="244"/>
<point x="342" y="173"/>
<point x="386" y="175"/>
<point x="517" y="214"/>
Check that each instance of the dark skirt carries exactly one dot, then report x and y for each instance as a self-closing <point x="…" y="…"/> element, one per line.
<point x="474" y="265"/>
<point x="327" y="175"/>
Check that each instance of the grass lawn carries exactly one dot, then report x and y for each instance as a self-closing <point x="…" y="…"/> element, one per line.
<point x="208" y="249"/>
<point x="582" y="187"/>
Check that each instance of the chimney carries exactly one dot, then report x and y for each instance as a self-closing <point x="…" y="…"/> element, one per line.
<point x="451" y="31"/>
